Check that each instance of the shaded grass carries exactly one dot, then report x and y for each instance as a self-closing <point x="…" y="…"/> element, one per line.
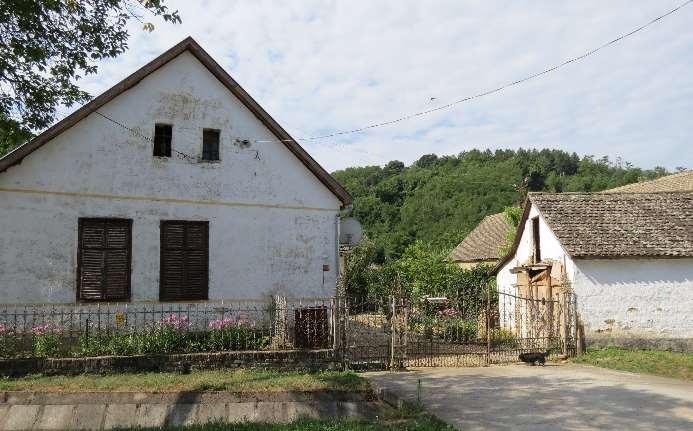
<point x="656" y="362"/>
<point x="233" y="381"/>
<point x="409" y="420"/>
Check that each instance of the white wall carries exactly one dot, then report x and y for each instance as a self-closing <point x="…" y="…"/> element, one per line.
<point x="272" y="222"/>
<point x="550" y="249"/>
<point x="638" y="297"/>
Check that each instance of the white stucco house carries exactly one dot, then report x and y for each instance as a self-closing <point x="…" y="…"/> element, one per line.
<point x="628" y="257"/>
<point x="174" y="185"/>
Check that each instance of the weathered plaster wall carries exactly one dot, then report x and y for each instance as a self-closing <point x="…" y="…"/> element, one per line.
<point x="636" y="297"/>
<point x="272" y="223"/>
<point x="550" y="249"/>
<point x="632" y="297"/>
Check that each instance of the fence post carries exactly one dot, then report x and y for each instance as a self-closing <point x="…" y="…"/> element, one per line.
<point x="393" y="311"/>
<point x="488" y="324"/>
<point x="564" y="322"/>
<point x="344" y="334"/>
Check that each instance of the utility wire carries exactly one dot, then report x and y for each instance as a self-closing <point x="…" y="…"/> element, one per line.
<point x="447" y="105"/>
<point x="502" y="87"/>
<point x="184" y="156"/>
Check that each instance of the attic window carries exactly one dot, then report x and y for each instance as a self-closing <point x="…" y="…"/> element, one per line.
<point x="210" y="145"/>
<point x="162" y="140"/>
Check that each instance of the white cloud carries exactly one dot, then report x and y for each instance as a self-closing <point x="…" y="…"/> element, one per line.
<point x="322" y="66"/>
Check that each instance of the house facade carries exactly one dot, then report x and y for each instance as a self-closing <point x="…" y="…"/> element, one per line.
<point x="174" y="185"/>
<point x="627" y="257"/>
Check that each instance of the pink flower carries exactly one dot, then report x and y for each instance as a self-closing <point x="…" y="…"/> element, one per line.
<point x="230" y="321"/>
<point x="448" y="312"/>
<point x="45" y="328"/>
<point x="178" y="322"/>
<point x="4" y="329"/>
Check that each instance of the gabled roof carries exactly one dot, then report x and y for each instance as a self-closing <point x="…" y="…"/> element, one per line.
<point x="485" y="241"/>
<point x="615" y="225"/>
<point x="195" y="49"/>
<point x="679" y="182"/>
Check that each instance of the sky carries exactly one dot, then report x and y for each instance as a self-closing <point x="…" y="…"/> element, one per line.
<point x="323" y="66"/>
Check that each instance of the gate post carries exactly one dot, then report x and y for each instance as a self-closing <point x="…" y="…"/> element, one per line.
<point x="488" y="324"/>
<point x="565" y="315"/>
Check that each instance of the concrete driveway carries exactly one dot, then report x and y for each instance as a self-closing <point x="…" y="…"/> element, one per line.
<point x="555" y="397"/>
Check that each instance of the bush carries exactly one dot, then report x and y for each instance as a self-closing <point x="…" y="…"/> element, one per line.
<point x="503" y="338"/>
<point x="46" y="341"/>
<point x="173" y="335"/>
<point x="234" y="334"/>
<point x="8" y="342"/>
<point x="458" y="330"/>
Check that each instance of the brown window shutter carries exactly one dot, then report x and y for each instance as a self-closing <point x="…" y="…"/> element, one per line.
<point x="104" y="259"/>
<point x="184" y="260"/>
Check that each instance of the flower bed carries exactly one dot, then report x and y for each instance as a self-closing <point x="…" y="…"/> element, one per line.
<point x="171" y="334"/>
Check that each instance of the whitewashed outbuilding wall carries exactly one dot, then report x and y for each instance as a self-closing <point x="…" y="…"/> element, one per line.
<point x="550" y="249"/>
<point x="636" y="297"/>
<point x="273" y="224"/>
<point x="619" y="297"/>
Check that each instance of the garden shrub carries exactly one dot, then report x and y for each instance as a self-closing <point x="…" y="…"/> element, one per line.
<point x="503" y="338"/>
<point x="234" y="334"/>
<point x="8" y="342"/>
<point x="173" y="335"/>
<point x="458" y="330"/>
<point x="46" y="340"/>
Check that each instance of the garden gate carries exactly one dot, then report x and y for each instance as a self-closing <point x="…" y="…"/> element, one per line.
<point x="396" y="333"/>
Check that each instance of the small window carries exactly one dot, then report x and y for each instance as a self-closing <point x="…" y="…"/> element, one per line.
<point x="210" y="145"/>
<point x="162" y="140"/>
<point x="537" y="239"/>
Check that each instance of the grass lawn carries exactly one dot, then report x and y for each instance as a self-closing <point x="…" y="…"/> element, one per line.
<point x="234" y="381"/>
<point x="399" y="420"/>
<point x="657" y="362"/>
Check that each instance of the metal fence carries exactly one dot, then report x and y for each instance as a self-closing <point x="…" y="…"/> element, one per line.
<point x="400" y="333"/>
<point x="106" y="329"/>
<point x="388" y="333"/>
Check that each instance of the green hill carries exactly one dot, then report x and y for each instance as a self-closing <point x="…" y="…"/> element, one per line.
<point x="438" y="200"/>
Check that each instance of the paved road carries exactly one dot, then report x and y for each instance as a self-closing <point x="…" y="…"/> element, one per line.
<point x="555" y="397"/>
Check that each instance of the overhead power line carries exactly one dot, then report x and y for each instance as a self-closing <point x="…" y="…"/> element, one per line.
<point x="184" y="156"/>
<point x="502" y="87"/>
<point x="447" y="105"/>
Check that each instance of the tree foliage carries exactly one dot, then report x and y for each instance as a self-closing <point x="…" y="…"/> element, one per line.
<point x="438" y="200"/>
<point x="46" y="46"/>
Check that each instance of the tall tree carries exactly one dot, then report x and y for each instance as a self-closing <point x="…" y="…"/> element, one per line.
<point x="46" y="46"/>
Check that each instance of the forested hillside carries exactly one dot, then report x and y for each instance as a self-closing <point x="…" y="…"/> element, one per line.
<point x="438" y="200"/>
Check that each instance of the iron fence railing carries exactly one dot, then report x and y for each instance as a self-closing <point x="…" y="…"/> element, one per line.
<point x="126" y="329"/>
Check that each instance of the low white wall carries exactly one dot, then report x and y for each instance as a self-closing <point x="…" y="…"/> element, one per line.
<point x="636" y="297"/>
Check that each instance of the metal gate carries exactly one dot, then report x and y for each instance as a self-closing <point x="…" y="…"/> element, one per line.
<point x="397" y="333"/>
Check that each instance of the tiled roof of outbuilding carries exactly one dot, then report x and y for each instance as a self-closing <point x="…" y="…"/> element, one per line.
<point x="680" y="182"/>
<point x="483" y="243"/>
<point x="613" y="225"/>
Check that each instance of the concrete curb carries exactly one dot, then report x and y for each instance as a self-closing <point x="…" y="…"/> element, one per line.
<point x="103" y="410"/>
<point x="178" y="397"/>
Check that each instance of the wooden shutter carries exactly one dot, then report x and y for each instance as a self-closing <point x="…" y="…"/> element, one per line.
<point x="184" y="260"/>
<point x="103" y="267"/>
